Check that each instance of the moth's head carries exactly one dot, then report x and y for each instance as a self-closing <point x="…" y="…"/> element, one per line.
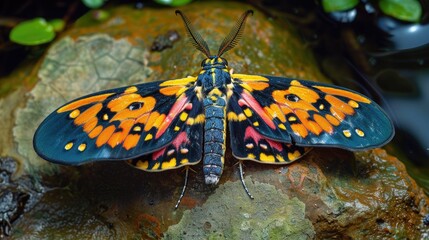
<point x="214" y="61"/>
<point x="230" y="41"/>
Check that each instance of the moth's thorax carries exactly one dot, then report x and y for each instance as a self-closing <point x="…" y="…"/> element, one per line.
<point x="214" y="74"/>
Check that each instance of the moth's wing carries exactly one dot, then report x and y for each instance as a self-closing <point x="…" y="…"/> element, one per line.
<point x="248" y="144"/>
<point x="118" y="124"/>
<point x="186" y="149"/>
<point x="307" y="113"/>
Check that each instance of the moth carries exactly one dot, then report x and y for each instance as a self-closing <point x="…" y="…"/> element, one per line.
<point x="169" y="124"/>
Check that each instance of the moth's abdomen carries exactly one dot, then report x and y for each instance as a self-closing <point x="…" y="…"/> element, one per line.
<point x="214" y="137"/>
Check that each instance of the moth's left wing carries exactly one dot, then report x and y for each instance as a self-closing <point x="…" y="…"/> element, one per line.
<point x="307" y="113"/>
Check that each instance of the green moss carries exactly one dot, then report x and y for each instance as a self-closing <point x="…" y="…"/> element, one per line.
<point x="230" y="214"/>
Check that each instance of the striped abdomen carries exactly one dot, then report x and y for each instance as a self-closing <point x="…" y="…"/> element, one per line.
<point x="214" y="137"/>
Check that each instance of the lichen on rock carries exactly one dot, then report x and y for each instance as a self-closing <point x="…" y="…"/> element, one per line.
<point x="230" y="214"/>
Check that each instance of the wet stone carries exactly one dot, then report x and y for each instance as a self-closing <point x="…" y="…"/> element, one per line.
<point x="17" y="196"/>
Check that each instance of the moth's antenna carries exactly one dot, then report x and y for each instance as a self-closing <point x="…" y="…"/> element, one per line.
<point x="234" y="35"/>
<point x="196" y="38"/>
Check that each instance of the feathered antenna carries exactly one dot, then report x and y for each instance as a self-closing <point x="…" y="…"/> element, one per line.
<point x="234" y="35"/>
<point x="196" y="38"/>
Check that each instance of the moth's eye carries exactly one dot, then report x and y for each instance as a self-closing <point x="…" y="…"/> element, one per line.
<point x="135" y="106"/>
<point x="292" y="97"/>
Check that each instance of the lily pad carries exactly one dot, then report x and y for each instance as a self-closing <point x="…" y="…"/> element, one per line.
<point x="173" y="3"/>
<point x="406" y="10"/>
<point x="32" y="32"/>
<point x="338" y="5"/>
<point x="93" y="3"/>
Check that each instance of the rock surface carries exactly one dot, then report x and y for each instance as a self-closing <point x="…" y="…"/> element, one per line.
<point x="330" y="193"/>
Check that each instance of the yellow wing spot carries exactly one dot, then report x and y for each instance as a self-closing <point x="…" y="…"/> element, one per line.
<point x="197" y="120"/>
<point x="247" y="112"/>
<point x="291" y="119"/>
<point x="359" y="132"/>
<point x="282" y="126"/>
<point x="321" y="107"/>
<point x="184" y="161"/>
<point x="251" y="156"/>
<point x="266" y="158"/>
<point x="215" y="91"/>
<point x="148" y="137"/>
<point x="82" y="147"/>
<point x="156" y="165"/>
<point x="169" y="164"/>
<point x="280" y="158"/>
<point x="137" y="129"/>
<point x="256" y="124"/>
<point x="249" y="145"/>
<point x="183" y="116"/>
<point x="176" y="128"/>
<point x="184" y="150"/>
<point x="353" y="104"/>
<point x="105" y="117"/>
<point x="131" y="89"/>
<point x="68" y="146"/>
<point x="293" y="156"/>
<point x="142" y="164"/>
<point x="250" y="78"/>
<point x="181" y="82"/>
<point x="74" y="113"/>
<point x="347" y="133"/>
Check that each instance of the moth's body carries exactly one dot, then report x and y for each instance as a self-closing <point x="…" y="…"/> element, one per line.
<point x="165" y="125"/>
<point x="213" y="84"/>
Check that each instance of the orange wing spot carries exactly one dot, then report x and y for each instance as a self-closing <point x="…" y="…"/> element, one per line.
<point x="332" y="120"/>
<point x="118" y="137"/>
<point x="169" y="91"/>
<point x="181" y="82"/>
<point x="310" y="125"/>
<point x="337" y="114"/>
<point x="285" y="109"/>
<point x="122" y="102"/>
<point x="299" y="130"/>
<point x="143" y="119"/>
<point x="131" y="141"/>
<point x="250" y="78"/>
<point x="120" y="105"/>
<point x="258" y="85"/>
<point x="90" y="124"/>
<point x="151" y="121"/>
<point x="159" y="120"/>
<point x="295" y="83"/>
<point x="88" y="114"/>
<point x="280" y="97"/>
<point x="344" y="93"/>
<point x="304" y="93"/>
<point x="323" y="123"/>
<point x="344" y="107"/>
<point x="131" y="89"/>
<point x="95" y="132"/>
<point x="83" y="102"/>
<point x="105" y="135"/>
<point x="278" y="112"/>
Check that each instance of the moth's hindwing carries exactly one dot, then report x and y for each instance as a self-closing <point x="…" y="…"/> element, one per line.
<point x="308" y="113"/>
<point x="119" y="124"/>
<point x="185" y="149"/>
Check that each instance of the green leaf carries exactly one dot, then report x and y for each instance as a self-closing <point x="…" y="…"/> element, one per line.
<point x="338" y="5"/>
<point x="406" y="10"/>
<point x="57" y="24"/>
<point x="93" y="3"/>
<point x="32" y="32"/>
<point x="173" y="3"/>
